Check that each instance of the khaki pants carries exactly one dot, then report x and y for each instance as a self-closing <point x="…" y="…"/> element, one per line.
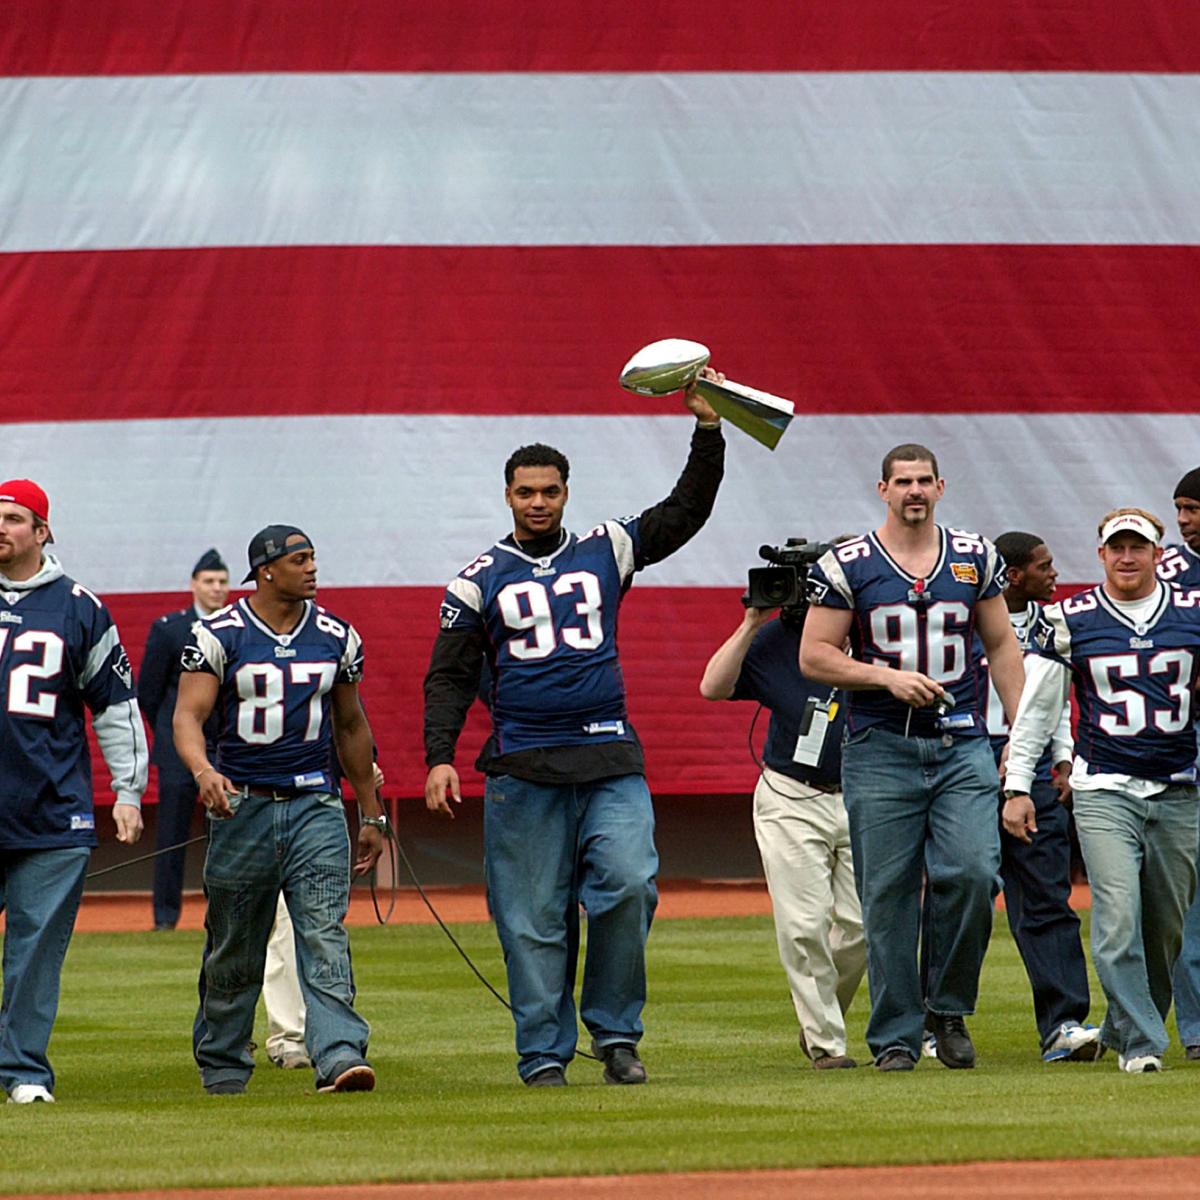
<point x="281" y="989"/>
<point x="804" y="839"/>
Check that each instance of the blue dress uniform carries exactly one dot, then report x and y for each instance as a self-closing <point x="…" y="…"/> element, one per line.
<point x="288" y="833"/>
<point x="1180" y="565"/>
<point x="60" y="654"/>
<point x="158" y="686"/>
<point x="1134" y="786"/>
<point x="568" y="819"/>
<point x="920" y="784"/>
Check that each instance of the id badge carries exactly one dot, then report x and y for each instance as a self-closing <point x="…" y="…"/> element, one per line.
<point x="814" y="725"/>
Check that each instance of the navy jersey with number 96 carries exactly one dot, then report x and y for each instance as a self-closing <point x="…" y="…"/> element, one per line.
<point x="908" y="624"/>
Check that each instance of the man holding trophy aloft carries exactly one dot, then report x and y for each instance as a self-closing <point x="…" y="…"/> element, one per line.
<point x="568" y="819"/>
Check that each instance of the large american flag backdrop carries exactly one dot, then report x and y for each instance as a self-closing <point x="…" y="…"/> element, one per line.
<point x="328" y="263"/>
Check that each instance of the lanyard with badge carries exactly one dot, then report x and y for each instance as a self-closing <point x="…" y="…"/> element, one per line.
<point x="818" y="715"/>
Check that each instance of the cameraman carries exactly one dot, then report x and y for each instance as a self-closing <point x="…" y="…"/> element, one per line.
<point x="800" y="823"/>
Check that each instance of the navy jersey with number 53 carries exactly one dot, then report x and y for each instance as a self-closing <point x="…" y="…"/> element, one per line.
<point x="1133" y="682"/>
<point x="913" y="625"/>
<point x="551" y="629"/>
<point x="273" y="703"/>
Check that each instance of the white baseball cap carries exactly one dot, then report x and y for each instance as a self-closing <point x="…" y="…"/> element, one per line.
<point x="1130" y="523"/>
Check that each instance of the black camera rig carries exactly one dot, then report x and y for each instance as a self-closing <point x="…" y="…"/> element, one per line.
<point x="782" y="584"/>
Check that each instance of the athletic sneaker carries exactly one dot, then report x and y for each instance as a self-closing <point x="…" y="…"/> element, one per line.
<point x="291" y="1060"/>
<point x="1140" y="1064"/>
<point x="928" y="1043"/>
<point x="1074" y="1043"/>
<point x="30" y="1093"/>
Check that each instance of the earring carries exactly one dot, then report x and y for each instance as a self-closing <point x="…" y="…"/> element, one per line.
<point x="269" y="576"/>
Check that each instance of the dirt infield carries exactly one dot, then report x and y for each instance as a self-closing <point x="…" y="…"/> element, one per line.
<point x="126" y="912"/>
<point x="1098" y="1179"/>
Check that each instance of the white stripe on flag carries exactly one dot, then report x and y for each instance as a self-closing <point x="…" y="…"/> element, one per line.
<point x="402" y="500"/>
<point x="561" y="159"/>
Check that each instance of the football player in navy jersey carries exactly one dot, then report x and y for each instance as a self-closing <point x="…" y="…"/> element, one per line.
<point x="800" y="824"/>
<point x="1131" y="647"/>
<point x="283" y="674"/>
<point x="60" y="654"/>
<point x="1180" y="565"/>
<point x="918" y="776"/>
<point x="567" y="815"/>
<point x="1037" y="874"/>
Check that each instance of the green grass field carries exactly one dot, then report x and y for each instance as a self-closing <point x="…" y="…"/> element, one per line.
<point x="728" y="1088"/>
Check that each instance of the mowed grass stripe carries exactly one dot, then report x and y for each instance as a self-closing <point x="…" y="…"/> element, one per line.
<point x="728" y="1088"/>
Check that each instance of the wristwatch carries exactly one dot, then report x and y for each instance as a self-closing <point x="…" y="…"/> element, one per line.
<point x="1009" y="793"/>
<point x="380" y="822"/>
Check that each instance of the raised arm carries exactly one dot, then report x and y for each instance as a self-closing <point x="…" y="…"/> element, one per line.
<point x="721" y="675"/>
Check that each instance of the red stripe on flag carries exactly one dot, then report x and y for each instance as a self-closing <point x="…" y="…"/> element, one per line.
<point x="484" y="330"/>
<point x="139" y="37"/>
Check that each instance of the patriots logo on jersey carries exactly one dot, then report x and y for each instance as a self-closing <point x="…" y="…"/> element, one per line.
<point x="448" y="614"/>
<point x="816" y="591"/>
<point x="965" y="572"/>
<point x="193" y="659"/>
<point x="123" y="668"/>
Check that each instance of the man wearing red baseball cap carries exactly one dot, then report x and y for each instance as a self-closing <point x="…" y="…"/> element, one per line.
<point x="59" y="654"/>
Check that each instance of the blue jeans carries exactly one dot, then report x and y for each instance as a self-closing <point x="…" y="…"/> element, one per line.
<point x="550" y="849"/>
<point x="39" y="894"/>
<point x="300" y="847"/>
<point x="917" y="805"/>
<point x="1141" y="861"/>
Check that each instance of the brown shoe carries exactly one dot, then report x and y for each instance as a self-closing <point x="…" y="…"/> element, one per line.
<point x="833" y="1062"/>
<point x="358" y="1078"/>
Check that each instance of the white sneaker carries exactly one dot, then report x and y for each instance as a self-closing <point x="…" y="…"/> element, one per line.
<point x="1140" y="1064"/>
<point x="928" y="1045"/>
<point x="30" y="1093"/>
<point x="1074" y="1043"/>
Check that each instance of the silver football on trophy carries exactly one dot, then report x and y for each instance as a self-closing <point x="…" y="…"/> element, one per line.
<point x="664" y="367"/>
<point x="674" y="364"/>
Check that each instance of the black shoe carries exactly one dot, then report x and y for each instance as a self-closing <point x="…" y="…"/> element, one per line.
<point x="226" y="1087"/>
<point x="954" y="1047"/>
<point x="548" y="1077"/>
<point x="163" y="927"/>
<point x="621" y="1063"/>
<point x="1191" y="1053"/>
<point x="895" y="1059"/>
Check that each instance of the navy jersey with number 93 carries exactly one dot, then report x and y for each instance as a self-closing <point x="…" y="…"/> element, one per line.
<point x="551" y="628"/>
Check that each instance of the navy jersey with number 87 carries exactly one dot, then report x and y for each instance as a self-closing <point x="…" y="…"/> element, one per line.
<point x="273" y="702"/>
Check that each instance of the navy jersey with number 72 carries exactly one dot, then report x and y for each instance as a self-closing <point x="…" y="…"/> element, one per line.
<point x="908" y="624"/>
